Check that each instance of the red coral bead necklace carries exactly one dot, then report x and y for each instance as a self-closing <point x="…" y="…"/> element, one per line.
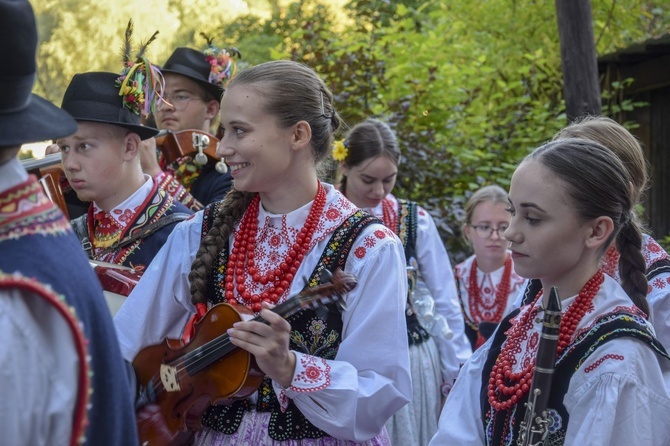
<point x="389" y="215"/>
<point x="241" y="270"/>
<point x="476" y="302"/>
<point x="505" y="387"/>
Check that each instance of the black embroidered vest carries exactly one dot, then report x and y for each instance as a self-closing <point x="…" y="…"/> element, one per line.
<point x="501" y="427"/>
<point x="406" y="230"/>
<point x="315" y="332"/>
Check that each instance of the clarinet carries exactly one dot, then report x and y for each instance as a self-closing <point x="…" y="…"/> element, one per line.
<point x="535" y="426"/>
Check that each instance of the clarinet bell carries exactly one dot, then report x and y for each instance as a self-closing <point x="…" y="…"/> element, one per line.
<point x="221" y="166"/>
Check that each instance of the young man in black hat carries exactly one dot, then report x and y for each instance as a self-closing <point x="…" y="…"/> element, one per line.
<point x="63" y="380"/>
<point x="193" y="89"/>
<point x="130" y="216"/>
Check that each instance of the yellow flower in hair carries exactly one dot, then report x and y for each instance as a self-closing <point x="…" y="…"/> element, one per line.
<point x="340" y="151"/>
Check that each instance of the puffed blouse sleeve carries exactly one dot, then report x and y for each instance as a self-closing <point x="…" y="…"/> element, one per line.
<point x="352" y="396"/>
<point x="461" y="418"/>
<point x="436" y="271"/>
<point x="160" y="304"/>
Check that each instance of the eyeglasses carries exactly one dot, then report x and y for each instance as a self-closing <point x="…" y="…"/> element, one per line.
<point x="486" y="231"/>
<point x="178" y="101"/>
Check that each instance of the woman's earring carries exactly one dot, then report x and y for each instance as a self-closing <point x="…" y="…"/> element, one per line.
<point x="221" y="166"/>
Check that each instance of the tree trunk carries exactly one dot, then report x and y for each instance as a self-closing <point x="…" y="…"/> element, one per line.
<point x="578" y="58"/>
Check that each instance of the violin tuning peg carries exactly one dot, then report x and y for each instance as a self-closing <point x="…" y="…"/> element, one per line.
<point x="200" y="159"/>
<point x="221" y="166"/>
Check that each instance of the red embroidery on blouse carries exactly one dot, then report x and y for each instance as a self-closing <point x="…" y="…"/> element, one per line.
<point x="369" y="242"/>
<point x="380" y="234"/>
<point x="332" y="214"/>
<point x="314" y="376"/>
<point x="360" y="252"/>
<point x="658" y="283"/>
<point x="593" y="366"/>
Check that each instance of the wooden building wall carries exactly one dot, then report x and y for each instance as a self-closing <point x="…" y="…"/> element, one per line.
<point x="649" y="65"/>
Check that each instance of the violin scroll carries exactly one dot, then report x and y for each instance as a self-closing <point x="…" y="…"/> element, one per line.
<point x="198" y="144"/>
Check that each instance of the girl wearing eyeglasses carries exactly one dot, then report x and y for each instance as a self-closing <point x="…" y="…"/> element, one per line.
<point x="486" y="281"/>
<point x="369" y="159"/>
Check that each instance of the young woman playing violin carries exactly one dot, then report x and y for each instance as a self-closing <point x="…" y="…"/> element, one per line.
<point x="332" y="376"/>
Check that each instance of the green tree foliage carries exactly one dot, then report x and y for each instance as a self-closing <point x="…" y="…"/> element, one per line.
<point x="470" y="86"/>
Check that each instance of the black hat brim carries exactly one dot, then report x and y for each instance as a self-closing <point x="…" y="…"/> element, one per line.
<point x="39" y="121"/>
<point x="210" y="88"/>
<point x="144" y="132"/>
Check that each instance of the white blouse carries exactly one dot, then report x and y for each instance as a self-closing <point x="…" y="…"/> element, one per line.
<point x="617" y="397"/>
<point x="367" y="382"/>
<point x="436" y="271"/>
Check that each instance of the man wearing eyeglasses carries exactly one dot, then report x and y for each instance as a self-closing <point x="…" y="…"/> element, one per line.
<point x="191" y="102"/>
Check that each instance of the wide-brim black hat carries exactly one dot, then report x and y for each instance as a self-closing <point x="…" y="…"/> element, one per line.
<point x="94" y="97"/>
<point x="24" y="116"/>
<point x="192" y="64"/>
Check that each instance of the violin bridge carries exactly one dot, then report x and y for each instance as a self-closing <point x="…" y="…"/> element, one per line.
<point x="169" y="378"/>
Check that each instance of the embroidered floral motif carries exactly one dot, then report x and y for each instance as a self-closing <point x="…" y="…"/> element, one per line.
<point x="360" y="252"/>
<point x="380" y="234"/>
<point x="658" y="283"/>
<point x="314" y="374"/>
<point x="125" y="215"/>
<point x="369" y="242"/>
<point x="317" y="345"/>
<point x="332" y="214"/>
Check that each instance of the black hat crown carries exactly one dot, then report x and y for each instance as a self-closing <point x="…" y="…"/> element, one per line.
<point x="193" y="65"/>
<point x="24" y="117"/>
<point x="209" y="69"/>
<point x="94" y="97"/>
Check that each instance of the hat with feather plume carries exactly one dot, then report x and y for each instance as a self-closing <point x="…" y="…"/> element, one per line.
<point x="118" y="99"/>
<point x="211" y="68"/>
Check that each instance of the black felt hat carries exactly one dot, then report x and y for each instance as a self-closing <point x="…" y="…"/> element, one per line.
<point x="24" y="117"/>
<point x="94" y="97"/>
<point x="194" y="65"/>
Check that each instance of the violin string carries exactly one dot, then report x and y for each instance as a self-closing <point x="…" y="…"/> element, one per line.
<point x="212" y="347"/>
<point x="184" y="362"/>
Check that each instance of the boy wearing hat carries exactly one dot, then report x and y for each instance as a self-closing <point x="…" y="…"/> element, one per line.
<point x="130" y="216"/>
<point x="193" y="89"/>
<point x="63" y="380"/>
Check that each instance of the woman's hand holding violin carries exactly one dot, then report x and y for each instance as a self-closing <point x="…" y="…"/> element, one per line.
<point x="269" y="343"/>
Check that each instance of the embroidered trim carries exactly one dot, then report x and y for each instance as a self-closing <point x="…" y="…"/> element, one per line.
<point x="80" y="412"/>
<point x="595" y="365"/>
<point x="313" y="375"/>
<point x="26" y="210"/>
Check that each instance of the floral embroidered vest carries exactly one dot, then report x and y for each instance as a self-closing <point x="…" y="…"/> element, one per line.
<point x="406" y="230"/>
<point x="315" y="332"/>
<point x="502" y="427"/>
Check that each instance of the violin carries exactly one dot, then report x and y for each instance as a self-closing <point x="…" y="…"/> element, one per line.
<point x="183" y="380"/>
<point x="196" y="143"/>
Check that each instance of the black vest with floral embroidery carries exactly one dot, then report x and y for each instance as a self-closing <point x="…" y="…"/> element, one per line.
<point x="314" y="332"/>
<point x="502" y="427"/>
<point x="406" y="230"/>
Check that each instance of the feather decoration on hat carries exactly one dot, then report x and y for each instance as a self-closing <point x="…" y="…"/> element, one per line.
<point x="140" y="82"/>
<point x="223" y="65"/>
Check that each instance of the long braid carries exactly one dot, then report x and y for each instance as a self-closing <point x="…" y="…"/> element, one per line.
<point x="229" y="212"/>
<point x="632" y="266"/>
